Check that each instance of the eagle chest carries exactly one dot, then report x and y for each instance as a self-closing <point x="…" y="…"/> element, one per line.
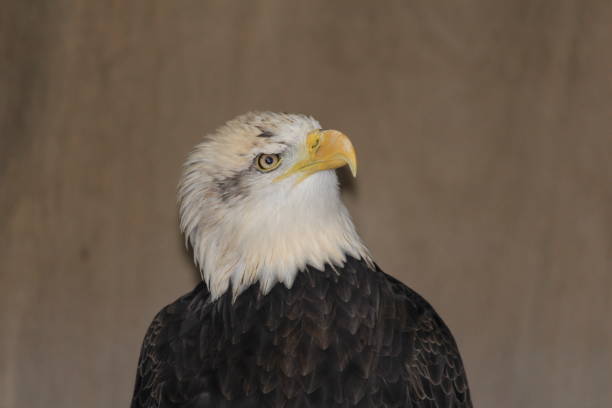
<point x="332" y="338"/>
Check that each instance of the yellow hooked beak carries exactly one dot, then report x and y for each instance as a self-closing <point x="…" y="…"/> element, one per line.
<point x="324" y="150"/>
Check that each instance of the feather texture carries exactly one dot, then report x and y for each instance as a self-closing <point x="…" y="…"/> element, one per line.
<point x="245" y="225"/>
<point x="339" y="337"/>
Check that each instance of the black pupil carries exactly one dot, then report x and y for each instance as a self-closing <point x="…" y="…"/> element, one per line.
<point x="269" y="160"/>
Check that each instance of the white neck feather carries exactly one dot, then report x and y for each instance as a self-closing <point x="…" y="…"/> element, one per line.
<point x="270" y="236"/>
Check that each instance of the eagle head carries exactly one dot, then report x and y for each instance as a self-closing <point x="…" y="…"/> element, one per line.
<point x="259" y="201"/>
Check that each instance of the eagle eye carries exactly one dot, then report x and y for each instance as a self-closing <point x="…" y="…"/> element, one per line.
<point x="267" y="162"/>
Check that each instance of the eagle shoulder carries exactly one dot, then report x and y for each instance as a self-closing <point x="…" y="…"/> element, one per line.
<point x="434" y="369"/>
<point x="165" y="346"/>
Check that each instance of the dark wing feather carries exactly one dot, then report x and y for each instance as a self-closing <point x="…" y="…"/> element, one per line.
<point x="146" y="389"/>
<point x="435" y="374"/>
<point x="164" y="350"/>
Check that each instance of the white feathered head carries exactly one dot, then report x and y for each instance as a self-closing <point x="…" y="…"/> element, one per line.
<point x="259" y="201"/>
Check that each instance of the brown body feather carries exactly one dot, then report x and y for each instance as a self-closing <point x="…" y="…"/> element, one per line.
<point x="351" y="337"/>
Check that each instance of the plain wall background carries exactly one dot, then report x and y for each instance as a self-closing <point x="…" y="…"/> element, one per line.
<point x="484" y="137"/>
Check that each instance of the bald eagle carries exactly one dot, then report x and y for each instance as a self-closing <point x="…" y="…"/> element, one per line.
<point x="291" y="311"/>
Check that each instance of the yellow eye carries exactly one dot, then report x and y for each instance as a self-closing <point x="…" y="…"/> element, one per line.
<point x="267" y="162"/>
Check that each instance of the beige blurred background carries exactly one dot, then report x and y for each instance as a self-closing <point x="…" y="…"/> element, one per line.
<point x="484" y="134"/>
